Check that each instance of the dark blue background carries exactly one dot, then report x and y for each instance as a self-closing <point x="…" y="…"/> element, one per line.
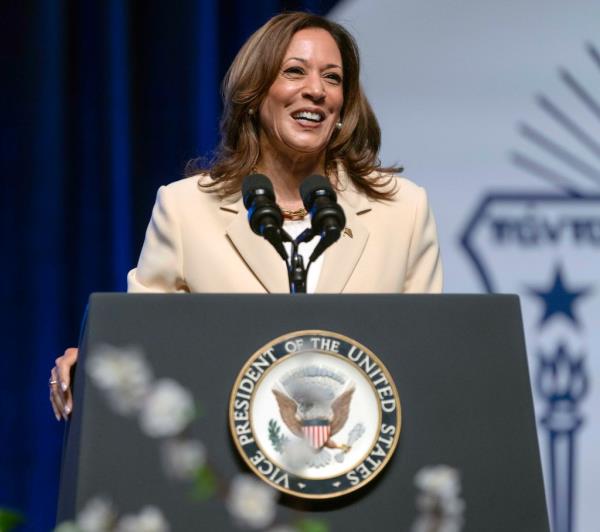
<point x="101" y="103"/>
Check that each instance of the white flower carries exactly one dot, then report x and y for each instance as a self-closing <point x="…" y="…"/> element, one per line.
<point x="251" y="502"/>
<point x="66" y="526"/>
<point x="449" y="506"/>
<point x="122" y="374"/>
<point x="182" y="458"/>
<point x="440" y="481"/>
<point x="440" y="490"/>
<point x="97" y="515"/>
<point x="430" y="523"/>
<point x="150" y="519"/>
<point x="167" y="410"/>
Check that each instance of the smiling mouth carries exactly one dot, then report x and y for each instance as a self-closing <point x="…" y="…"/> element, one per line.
<point x="308" y="116"/>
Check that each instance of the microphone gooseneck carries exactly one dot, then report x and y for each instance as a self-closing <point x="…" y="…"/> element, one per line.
<point x="327" y="217"/>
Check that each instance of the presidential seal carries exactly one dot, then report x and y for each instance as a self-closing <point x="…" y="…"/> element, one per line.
<point x="315" y="414"/>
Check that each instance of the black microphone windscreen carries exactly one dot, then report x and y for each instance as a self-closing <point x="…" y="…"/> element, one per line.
<point x="253" y="182"/>
<point x="313" y="183"/>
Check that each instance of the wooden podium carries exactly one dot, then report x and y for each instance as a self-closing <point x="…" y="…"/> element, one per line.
<point x="458" y="361"/>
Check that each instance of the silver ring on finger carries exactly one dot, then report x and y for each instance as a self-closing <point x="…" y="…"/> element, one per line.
<point x="52" y="381"/>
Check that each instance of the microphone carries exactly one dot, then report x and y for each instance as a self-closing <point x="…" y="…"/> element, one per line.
<point x="264" y="214"/>
<point x="327" y="217"/>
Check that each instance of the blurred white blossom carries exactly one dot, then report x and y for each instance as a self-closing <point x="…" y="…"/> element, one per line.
<point x="439" y="503"/>
<point x="150" y="519"/>
<point x="167" y="409"/>
<point x="440" y="490"/>
<point x="182" y="458"/>
<point x="98" y="515"/>
<point x="251" y="502"/>
<point x="67" y="526"/>
<point x="283" y="528"/>
<point x="431" y="523"/>
<point x="123" y="374"/>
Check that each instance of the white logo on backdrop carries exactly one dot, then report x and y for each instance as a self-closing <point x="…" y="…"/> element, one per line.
<point x="553" y="240"/>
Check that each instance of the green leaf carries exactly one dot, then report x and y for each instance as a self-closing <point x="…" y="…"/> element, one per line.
<point x="312" y="525"/>
<point x="278" y="440"/>
<point x="205" y="483"/>
<point x="9" y="519"/>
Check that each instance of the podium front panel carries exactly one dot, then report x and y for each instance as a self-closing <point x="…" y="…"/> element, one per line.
<point x="458" y="361"/>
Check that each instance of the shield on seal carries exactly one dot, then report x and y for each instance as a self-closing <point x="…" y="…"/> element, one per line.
<point x="316" y="432"/>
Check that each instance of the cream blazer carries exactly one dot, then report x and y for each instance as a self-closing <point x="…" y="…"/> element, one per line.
<point x="198" y="242"/>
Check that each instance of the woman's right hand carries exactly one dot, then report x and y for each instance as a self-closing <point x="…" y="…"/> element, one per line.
<point x="60" y="384"/>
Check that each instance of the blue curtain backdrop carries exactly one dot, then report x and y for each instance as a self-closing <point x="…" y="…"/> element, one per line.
<point x="101" y="102"/>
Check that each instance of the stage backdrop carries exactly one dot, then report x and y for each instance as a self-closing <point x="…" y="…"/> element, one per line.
<point x="495" y="108"/>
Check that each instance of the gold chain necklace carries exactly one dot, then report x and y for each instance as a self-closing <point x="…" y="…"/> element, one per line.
<point x="289" y="214"/>
<point x="298" y="214"/>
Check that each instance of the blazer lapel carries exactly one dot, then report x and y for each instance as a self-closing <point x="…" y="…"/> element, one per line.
<point x="257" y="253"/>
<point x="341" y="258"/>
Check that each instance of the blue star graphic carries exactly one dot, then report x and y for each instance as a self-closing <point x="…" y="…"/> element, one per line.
<point x="558" y="299"/>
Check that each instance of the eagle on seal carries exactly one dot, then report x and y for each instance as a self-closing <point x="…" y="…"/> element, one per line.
<point x="316" y="405"/>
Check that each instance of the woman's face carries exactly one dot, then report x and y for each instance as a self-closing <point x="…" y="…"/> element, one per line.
<point x="303" y="105"/>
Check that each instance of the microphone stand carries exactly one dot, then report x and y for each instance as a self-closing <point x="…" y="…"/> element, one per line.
<point x="297" y="273"/>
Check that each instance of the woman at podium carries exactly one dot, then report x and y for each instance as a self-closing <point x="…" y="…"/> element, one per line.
<point x="293" y="107"/>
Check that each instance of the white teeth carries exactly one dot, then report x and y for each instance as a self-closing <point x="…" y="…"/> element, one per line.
<point x="307" y="115"/>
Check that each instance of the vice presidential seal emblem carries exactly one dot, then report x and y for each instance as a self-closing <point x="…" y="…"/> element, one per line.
<point x="315" y="414"/>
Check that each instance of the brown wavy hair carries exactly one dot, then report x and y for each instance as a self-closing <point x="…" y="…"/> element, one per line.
<point x="247" y="82"/>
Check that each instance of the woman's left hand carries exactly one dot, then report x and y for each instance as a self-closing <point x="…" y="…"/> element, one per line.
<point x="61" y="397"/>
